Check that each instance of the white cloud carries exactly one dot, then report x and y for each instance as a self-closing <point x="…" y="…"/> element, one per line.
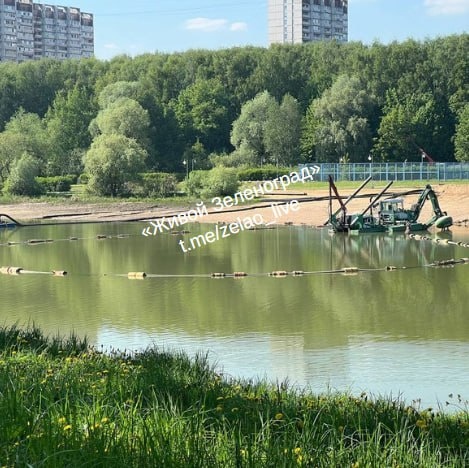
<point x="206" y="24"/>
<point x="111" y="46"/>
<point x="235" y="27"/>
<point x="447" y="7"/>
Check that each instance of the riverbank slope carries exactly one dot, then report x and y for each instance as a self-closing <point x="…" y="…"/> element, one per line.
<point x="66" y="404"/>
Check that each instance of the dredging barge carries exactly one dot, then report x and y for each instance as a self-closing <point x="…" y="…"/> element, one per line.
<point x="392" y="216"/>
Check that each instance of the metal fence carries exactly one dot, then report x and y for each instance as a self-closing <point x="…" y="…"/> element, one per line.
<point x="392" y="171"/>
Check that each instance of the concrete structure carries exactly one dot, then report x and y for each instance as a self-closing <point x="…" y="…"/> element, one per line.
<point x="31" y="30"/>
<point x="299" y="21"/>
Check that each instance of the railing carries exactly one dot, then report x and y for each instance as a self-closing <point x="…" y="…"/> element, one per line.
<point x="392" y="171"/>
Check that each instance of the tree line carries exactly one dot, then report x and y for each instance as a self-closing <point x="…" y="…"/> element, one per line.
<point x="249" y="106"/>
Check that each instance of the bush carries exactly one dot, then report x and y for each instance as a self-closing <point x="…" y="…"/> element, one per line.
<point x="22" y="178"/>
<point x="240" y="158"/>
<point x="262" y="173"/>
<point x="157" y="184"/>
<point x="56" y="183"/>
<point x="220" y="181"/>
<point x="83" y="178"/>
<point x="195" y="183"/>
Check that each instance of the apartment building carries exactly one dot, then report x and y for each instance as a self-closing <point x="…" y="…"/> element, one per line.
<point x="299" y="21"/>
<point x="31" y="31"/>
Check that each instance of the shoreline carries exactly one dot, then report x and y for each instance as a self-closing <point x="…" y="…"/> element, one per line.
<point x="454" y="199"/>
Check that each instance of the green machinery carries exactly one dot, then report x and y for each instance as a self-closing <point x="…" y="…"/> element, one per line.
<point x="392" y="216"/>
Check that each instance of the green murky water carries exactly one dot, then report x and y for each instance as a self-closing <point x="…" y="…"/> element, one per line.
<point x="387" y="332"/>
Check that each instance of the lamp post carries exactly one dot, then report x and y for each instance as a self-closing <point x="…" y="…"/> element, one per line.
<point x="370" y="158"/>
<point x="186" y="165"/>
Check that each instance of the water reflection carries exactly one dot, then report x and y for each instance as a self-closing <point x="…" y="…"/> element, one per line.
<point x="404" y="330"/>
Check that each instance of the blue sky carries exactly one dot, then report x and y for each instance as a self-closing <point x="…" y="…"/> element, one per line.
<point x="134" y="27"/>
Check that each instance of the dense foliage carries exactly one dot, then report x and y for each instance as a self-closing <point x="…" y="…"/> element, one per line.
<point x="219" y="181"/>
<point x="242" y="106"/>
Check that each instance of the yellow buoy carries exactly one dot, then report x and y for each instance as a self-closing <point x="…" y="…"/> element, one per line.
<point x="59" y="273"/>
<point x="279" y="274"/>
<point x="137" y="275"/>
<point x="218" y="275"/>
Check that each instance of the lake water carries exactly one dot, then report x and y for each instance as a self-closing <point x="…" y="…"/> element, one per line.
<point x="403" y="332"/>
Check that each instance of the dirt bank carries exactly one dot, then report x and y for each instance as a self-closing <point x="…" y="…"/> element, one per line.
<point x="454" y="199"/>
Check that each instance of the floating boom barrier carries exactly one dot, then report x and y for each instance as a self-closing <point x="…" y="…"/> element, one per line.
<point x="346" y="271"/>
<point x="15" y="271"/>
<point x="99" y="237"/>
<point x="141" y="275"/>
<point x="438" y="240"/>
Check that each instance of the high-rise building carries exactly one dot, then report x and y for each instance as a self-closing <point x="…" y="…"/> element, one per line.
<point x="298" y="21"/>
<point x="31" y="30"/>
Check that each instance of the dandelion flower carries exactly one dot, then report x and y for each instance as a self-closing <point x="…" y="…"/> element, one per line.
<point x="421" y="423"/>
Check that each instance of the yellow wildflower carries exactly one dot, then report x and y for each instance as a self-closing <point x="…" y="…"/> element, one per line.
<point x="421" y="423"/>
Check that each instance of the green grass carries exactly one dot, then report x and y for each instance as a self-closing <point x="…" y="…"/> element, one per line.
<point x="79" y="195"/>
<point x="417" y="184"/>
<point x="63" y="403"/>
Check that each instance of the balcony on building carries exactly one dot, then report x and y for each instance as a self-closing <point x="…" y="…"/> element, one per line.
<point x="49" y="13"/>
<point x="74" y="14"/>
<point x="25" y="6"/>
<point x="87" y="19"/>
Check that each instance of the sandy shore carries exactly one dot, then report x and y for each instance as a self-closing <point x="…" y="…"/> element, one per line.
<point x="454" y="199"/>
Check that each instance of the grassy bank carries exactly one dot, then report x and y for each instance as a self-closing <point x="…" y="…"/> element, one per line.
<point x="63" y="403"/>
<point x="377" y="184"/>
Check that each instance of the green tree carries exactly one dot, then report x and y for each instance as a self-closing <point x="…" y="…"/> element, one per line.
<point x="24" y="133"/>
<point x="286" y="69"/>
<point x="283" y="131"/>
<point x="201" y="110"/>
<point x="249" y="129"/>
<point x="113" y="161"/>
<point x="67" y="123"/>
<point x="115" y="91"/>
<point x="8" y="96"/>
<point x="22" y="178"/>
<point x="122" y="117"/>
<point x="337" y="123"/>
<point x="408" y="123"/>
<point x="461" y="140"/>
<point x="37" y="83"/>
